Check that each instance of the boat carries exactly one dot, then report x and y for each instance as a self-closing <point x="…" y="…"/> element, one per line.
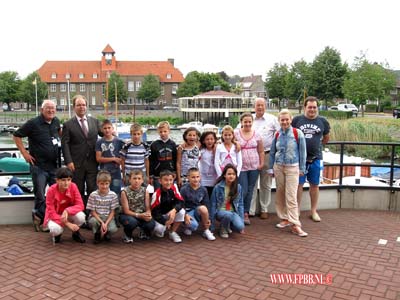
<point x="123" y="131"/>
<point x="210" y="127"/>
<point x="196" y="124"/>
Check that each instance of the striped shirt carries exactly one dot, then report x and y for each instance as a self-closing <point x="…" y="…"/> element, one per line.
<point x="135" y="157"/>
<point x="102" y="204"/>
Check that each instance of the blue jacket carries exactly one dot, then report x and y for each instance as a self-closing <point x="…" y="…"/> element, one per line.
<point x="218" y="199"/>
<point x="286" y="151"/>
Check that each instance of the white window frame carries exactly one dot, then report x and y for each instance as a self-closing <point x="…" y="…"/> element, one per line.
<point x="53" y="75"/>
<point x="94" y="75"/>
<point x="53" y="87"/>
<point x="63" y="87"/>
<point x="93" y="100"/>
<point x="82" y="87"/>
<point x="81" y="75"/>
<point x="93" y="87"/>
<point x="72" y="87"/>
<point x="138" y="85"/>
<point x="131" y="86"/>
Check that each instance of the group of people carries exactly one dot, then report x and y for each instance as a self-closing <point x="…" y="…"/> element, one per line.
<point x="164" y="187"/>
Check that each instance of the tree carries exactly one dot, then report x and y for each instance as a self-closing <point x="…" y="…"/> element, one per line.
<point x="120" y="92"/>
<point x="327" y="75"/>
<point x="297" y="80"/>
<point x="276" y="82"/>
<point x="27" y="90"/>
<point x="150" y="89"/>
<point x="9" y="86"/>
<point x="368" y="81"/>
<point x="196" y="83"/>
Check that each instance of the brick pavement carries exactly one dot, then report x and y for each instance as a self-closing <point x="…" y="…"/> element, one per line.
<point x="344" y="245"/>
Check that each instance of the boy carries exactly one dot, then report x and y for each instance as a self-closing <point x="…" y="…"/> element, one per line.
<point x="64" y="207"/>
<point x="135" y="155"/>
<point x="107" y="154"/>
<point x="136" y="211"/>
<point x="167" y="207"/>
<point x="162" y="153"/>
<point x="196" y="202"/>
<point x="102" y="204"/>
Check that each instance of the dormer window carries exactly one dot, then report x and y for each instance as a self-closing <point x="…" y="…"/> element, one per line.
<point x="81" y="76"/>
<point x="67" y="76"/>
<point x="108" y="58"/>
<point x="53" y="76"/>
<point x="94" y="75"/>
<point x="169" y="76"/>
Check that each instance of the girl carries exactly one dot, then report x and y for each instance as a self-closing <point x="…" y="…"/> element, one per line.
<point x="253" y="159"/>
<point x="227" y="152"/>
<point x="208" y="175"/>
<point x="188" y="155"/>
<point x="227" y="202"/>
<point x="288" y="160"/>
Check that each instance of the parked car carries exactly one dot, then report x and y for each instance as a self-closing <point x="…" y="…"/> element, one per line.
<point x="171" y="108"/>
<point x="333" y="107"/>
<point x="348" y="107"/>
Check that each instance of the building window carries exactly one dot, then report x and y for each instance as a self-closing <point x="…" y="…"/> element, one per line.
<point x="103" y="89"/>
<point x="94" y="75"/>
<point x="169" y="76"/>
<point x="53" y="76"/>
<point x="93" y="100"/>
<point x="62" y="101"/>
<point x="174" y="88"/>
<point x="53" y="88"/>
<point x="138" y="85"/>
<point x="63" y="87"/>
<point x="81" y="76"/>
<point x="131" y="86"/>
<point x="175" y="101"/>
<point x="54" y="99"/>
<point x="82" y="87"/>
<point x="93" y="87"/>
<point x="130" y="100"/>
<point x="72" y="87"/>
<point x="67" y="76"/>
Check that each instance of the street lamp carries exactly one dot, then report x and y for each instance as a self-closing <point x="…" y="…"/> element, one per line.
<point x="36" y="94"/>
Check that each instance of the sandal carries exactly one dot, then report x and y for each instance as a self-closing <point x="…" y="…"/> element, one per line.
<point x="283" y="224"/>
<point x="298" y="231"/>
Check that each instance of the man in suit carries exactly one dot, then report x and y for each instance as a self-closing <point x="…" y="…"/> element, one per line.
<point x="79" y="136"/>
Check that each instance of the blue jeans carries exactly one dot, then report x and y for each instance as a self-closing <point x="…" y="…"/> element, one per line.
<point x="248" y="180"/>
<point x="194" y="220"/>
<point x="230" y="218"/>
<point x="41" y="178"/>
<point x="130" y="223"/>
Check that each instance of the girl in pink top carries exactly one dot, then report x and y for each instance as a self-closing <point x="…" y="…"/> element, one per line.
<point x="253" y="159"/>
<point x="226" y="152"/>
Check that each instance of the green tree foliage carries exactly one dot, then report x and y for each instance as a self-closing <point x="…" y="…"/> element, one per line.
<point x="196" y="83"/>
<point x="297" y="80"/>
<point x="116" y="88"/>
<point x="27" y="90"/>
<point x="276" y="81"/>
<point x="9" y="86"/>
<point x="150" y="90"/>
<point x="327" y="75"/>
<point x="368" y="81"/>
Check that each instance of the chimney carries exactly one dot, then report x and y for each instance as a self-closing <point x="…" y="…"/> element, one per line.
<point x="171" y="60"/>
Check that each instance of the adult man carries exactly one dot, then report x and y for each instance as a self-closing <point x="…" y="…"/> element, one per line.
<point x="316" y="131"/>
<point x="78" y="142"/>
<point x="266" y="125"/>
<point x="43" y="134"/>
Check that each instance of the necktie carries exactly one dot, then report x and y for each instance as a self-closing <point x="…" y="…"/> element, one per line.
<point x="84" y="128"/>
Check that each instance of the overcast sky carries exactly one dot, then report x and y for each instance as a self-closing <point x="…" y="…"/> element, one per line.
<point x="238" y="37"/>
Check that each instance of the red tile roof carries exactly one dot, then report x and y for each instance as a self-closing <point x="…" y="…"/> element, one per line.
<point x="163" y="69"/>
<point x="219" y="93"/>
<point x="108" y="49"/>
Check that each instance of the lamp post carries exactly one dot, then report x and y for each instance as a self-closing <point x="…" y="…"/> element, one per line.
<point x="36" y="95"/>
<point x="69" y="99"/>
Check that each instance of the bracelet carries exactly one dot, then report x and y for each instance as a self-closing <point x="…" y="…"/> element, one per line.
<point x="136" y="215"/>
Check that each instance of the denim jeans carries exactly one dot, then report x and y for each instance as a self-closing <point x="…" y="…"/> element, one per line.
<point x="248" y="180"/>
<point x="130" y="223"/>
<point x="116" y="181"/>
<point x="40" y="179"/>
<point x="230" y="218"/>
<point x="194" y="219"/>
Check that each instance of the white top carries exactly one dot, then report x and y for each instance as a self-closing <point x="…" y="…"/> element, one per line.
<point x="266" y="127"/>
<point x="224" y="157"/>
<point x="206" y="167"/>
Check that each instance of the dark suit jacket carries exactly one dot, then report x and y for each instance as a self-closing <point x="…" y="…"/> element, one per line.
<point x="75" y="146"/>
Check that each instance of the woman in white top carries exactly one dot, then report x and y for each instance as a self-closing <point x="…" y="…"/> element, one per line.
<point x="226" y="152"/>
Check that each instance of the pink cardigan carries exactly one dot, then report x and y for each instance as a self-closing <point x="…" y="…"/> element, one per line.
<point x="57" y="202"/>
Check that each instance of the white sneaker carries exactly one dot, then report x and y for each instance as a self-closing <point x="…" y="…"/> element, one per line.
<point x="187" y="231"/>
<point x="126" y="239"/>
<point x="175" y="237"/>
<point x="223" y="233"/>
<point x="208" y="235"/>
<point x="159" y="230"/>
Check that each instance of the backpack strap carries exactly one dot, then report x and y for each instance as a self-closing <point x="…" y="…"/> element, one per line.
<point x="295" y="133"/>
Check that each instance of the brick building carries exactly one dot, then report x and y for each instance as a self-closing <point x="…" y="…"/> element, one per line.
<point x="89" y="78"/>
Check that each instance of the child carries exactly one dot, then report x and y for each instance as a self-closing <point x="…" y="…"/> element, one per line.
<point x="167" y="207"/>
<point x="136" y="208"/>
<point x="226" y="153"/>
<point x="135" y="155"/>
<point x="64" y="207"/>
<point x="188" y="154"/>
<point x="162" y="153"/>
<point x="196" y="202"/>
<point x="227" y="202"/>
<point x="208" y="174"/>
<point x="102" y="204"/>
<point x="107" y="154"/>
